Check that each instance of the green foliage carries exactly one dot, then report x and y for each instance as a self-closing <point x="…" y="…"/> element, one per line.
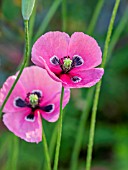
<point x="10" y="10"/>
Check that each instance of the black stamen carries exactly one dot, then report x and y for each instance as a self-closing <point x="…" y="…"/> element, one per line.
<point x="37" y="93"/>
<point x="20" y="103"/>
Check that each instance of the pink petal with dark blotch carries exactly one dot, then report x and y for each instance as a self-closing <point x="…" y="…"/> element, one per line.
<point x="54" y="115"/>
<point x="49" y="45"/>
<point x="85" y="46"/>
<point x="88" y="78"/>
<point x="18" y="91"/>
<point x="29" y="131"/>
<point x="32" y="79"/>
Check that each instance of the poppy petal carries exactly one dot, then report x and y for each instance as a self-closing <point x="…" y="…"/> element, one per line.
<point x="84" y="78"/>
<point x="87" y="48"/>
<point x="48" y="46"/>
<point x="53" y="115"/>
<point x="30" y="131"/>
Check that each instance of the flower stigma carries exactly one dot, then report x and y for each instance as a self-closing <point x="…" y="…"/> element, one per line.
<point x="67" y="63"/>
<point x="33" y="99"/>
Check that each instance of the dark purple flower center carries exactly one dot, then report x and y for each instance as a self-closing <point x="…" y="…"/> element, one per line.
<point x="33" y="101"/>
<point x="66" y="63"/>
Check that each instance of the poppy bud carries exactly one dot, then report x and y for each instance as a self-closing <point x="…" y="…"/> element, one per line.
<point x="27" y="7"/>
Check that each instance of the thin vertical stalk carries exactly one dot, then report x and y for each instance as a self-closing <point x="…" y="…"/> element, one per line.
<point x="31" y="27"/>
<point x="64" y="15"/>
<point x="96" y="98"/>
<point x="47" y="19"/>
<point x="22" y="67"/>
<point x="46" y="152"/>
<point x="120" y="27"/>
<point x="64" y="26"/>
<point x="8" y="165"/>
<point x="53" y="142"/>
<point x="95" y="16"/>
<point x="15" y="152"/>
<point x="59" y="132"/>
<point x="79" y="135"/>
<point x="86" y="110"/>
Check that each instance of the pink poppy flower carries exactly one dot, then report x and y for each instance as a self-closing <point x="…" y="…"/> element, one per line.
<point x="70" y="60"/>
<point x="36" y="94"/>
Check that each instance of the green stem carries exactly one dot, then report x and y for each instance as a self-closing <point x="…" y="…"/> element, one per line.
<point x="22" y="67"/>
<point x="59" y="127"/>
<point x="46" y="152"/>
<point x="86" y="110"/>
<point x="47" y="19"/>
<point x="96" y="98"/>
<point x="53" y="142"/>
<point x="15" y="152"/>
<point x="120" y="27"/>
<point x="31" y="27"/>
<point x="52" y="145"/>
<point x="64" y="15"/>
<point x="59" y="132"/>
<point x="95" y="16"/>
<point x="110" y="28"/>
<point x="81" y="128"/>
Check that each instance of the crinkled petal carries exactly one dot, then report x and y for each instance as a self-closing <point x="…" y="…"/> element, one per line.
<point x="86" y="47"/>
<point x="49" y="45"/>
<point x="54" y="115"/>
<point x="35" y="78"/>
<point x="51" y="74"/>
<point x="29" y="131"/>
<point x="18" y="91"/>
<point x="84" y="78"/>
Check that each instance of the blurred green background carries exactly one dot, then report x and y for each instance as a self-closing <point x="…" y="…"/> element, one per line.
<point x="111" y="137"/>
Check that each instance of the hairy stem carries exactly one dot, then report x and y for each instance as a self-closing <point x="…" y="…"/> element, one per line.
<point x="96" y="98"/>
<point x="59" y="132"/>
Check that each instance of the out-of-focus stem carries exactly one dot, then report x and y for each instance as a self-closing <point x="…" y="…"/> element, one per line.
<point x="59" y="132"/>
<point x="64" y="15"/>
<point x="95" y="17"/>
<point x="120" y="27"/>
<point x="96" y="98"/>
<point x="15" y="152"/>
<point x="85" y="113"/>
<point x="81" y="129"/>
<point x="47" y="19"/>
